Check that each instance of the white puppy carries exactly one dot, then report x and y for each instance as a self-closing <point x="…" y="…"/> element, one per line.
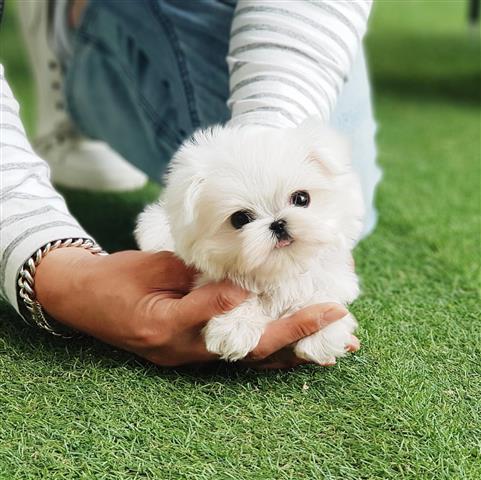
<point x="276" y="211"/>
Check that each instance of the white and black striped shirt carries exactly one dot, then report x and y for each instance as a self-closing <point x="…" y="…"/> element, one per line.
<point x="288" y="59"/>
<point x="32" y="213"/>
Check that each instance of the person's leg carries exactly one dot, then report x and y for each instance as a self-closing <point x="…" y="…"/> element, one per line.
<point x="146" y="73"/>
<point x="354" y="117"/>
<point x="75" y="161"/>
<point x="144" y="77"/>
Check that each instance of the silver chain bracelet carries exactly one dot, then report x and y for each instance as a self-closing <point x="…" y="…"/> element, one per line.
<point x="26" y="280"/>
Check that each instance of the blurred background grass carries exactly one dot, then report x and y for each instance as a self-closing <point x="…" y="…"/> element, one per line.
<point x="406" y="406"/>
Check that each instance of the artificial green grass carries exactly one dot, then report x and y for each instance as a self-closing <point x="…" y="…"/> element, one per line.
<point x="407" y="406"/>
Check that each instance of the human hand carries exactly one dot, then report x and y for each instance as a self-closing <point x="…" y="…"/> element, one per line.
<point x="142" y="302"/>
<point x="274" y="350"/>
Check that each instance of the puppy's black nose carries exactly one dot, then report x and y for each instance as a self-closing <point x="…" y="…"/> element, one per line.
<point x="279" y="229"/>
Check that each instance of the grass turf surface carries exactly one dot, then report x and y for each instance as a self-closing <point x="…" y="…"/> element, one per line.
<point x="406" y="406"/>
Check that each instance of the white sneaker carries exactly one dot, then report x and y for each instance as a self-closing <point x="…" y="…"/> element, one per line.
<point x="75" y="161"/>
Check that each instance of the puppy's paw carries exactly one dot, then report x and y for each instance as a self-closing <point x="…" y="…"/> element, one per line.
<point x="232" y="335"/>
<point x="326" y="345"/>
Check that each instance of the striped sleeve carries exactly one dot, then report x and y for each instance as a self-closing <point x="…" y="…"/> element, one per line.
<point x="289" y="60"/>
<point x="32" y="213"/>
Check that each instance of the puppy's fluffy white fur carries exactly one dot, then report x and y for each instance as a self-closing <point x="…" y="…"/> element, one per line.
<point x="224" y="170"/>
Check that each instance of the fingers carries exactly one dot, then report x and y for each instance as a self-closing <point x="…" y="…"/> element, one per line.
<point x="282" y="359"/>
<point x="203" y="303"/>
<point x="195" y="357"/>
<point x="286" y="358"/>
<point x="354" y="345"/>
<point x="303" y="323"/>
<point x="279" y="365"/>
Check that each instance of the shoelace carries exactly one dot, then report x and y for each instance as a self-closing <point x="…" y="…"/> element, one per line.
<point x="63" y="130"/>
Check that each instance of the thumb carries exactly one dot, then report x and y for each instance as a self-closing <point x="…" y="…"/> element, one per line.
<point x="203" y="303"/>
<point x="287" y="330"/>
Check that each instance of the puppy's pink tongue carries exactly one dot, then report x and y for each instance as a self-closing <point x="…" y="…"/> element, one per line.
<point x="283" y="243"/>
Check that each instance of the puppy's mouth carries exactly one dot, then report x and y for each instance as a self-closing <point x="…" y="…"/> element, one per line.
<point x="284" y="242"/>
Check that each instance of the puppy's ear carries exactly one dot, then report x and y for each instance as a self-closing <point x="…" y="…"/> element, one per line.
<point x="190" y="198"/>
<point x="328" y="148"/>
<point x="181" y="195"/>
<point x="187" y="174"/>
<point x="184" y="184"/>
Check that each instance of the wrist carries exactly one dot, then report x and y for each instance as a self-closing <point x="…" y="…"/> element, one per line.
<point x="60" y="278"/>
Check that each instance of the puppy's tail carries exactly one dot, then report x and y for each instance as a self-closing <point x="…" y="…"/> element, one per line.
<point x="152" y="232"/>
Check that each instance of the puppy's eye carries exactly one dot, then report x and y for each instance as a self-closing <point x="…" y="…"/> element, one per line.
<point x="241" y="218"/>
<point x="301" y="198"/>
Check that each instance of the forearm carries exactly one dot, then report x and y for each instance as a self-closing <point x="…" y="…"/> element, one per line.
<point x="32" y="212"/>
<point x="289" y="60"/>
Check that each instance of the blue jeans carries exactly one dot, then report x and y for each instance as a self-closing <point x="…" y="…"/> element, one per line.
<point x="145" y="74"/>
